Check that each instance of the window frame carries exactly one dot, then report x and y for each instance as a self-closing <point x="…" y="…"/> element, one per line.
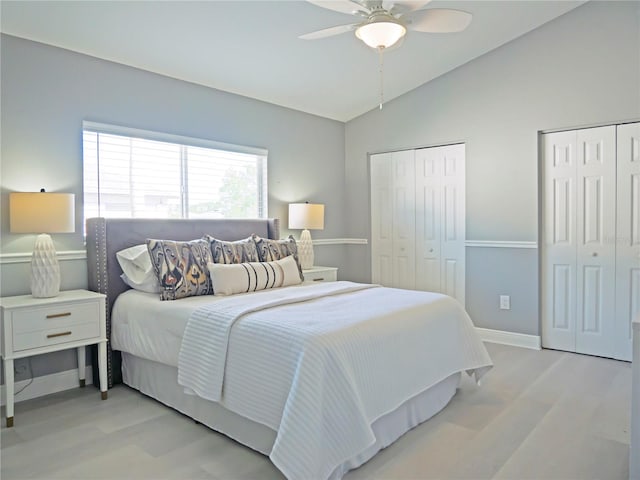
<point x="184" y="142"/>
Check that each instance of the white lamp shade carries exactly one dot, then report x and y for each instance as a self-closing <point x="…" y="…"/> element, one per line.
<point x="308" y="216"/>
<point x="41" y="212"/>
<point x="381" y="33"/>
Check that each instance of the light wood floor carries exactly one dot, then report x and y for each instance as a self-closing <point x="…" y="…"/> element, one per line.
<point x="538" y="414"/>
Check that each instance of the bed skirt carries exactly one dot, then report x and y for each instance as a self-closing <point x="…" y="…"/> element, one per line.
<point x="160" y="382"/>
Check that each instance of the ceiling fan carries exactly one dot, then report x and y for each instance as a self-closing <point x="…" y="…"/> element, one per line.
<point x="382" y="23"/>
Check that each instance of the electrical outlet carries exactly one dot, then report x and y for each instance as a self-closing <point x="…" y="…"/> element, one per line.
<point x="505" y="302"/>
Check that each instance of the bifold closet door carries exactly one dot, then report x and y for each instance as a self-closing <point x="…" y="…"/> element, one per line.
<point x="559" y="249"/>
<point x="418" y="219"/>
<point x="578" y="258"/>
<point x="393" y="219"/>
<point x="440" y="220"/>
<point x="628" y="244"/>
<point x="381" y="219"/>
<point x="596" y="224"/>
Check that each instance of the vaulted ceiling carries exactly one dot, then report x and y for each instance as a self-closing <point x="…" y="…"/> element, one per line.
<point x="252" y="48"/>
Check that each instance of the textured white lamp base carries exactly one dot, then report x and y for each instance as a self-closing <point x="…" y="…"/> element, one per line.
<point x="305" y="250"/>
<point x="45" y="270"/>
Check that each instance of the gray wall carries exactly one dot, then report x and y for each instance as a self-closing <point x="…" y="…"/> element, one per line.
<point x="46" y="94"/>
<point x="582" y="68"/>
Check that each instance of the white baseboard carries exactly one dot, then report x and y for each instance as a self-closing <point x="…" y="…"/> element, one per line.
<point x="47" y="384"/>
<point x="510" y="338"/>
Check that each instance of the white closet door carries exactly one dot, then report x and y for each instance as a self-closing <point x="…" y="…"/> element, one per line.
<point x="429" y="169"/>
<point x="453" y="221"/>
<point x="559" y="249"/>
<point x="381" y="219"/>
<point x="440" y="220"/>
<point x="404" y="219"/>
<point x="628" y="245"/>
<point x="393" y="219"/>
<point x="596" y="233"/>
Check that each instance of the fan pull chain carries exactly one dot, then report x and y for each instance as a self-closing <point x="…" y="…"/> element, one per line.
<point x="380" y="50"/>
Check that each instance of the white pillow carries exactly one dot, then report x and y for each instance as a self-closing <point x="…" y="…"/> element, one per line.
<point x="228" y="279"/>
<point x="150" y="285"/>
<point x="137" y="269"/>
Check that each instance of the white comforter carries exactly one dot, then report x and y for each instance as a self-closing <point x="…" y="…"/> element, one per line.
<point x="320" y="364"/>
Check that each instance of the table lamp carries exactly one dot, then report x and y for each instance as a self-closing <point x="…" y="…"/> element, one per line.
<point x="306" y="216"/>
<point x="37" y="212"/>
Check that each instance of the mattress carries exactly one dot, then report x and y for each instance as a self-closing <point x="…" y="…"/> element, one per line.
<point x="147" y="327"/>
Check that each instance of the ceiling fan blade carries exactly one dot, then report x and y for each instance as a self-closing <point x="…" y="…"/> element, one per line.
<point x="350" y="7"/>
<point x="437" y="20"/>
<point x="329" y="32"/>
<point x="403" y="6"/>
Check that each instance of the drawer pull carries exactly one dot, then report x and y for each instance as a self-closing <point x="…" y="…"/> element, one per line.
<point x="61" y="334"/>
<point x="58" y="315"/>
<point x="318" y="279"/>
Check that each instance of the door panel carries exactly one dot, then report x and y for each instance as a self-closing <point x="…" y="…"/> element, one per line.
<point x="628" y="236"/>
<point x="404" y="219"/>
<point x="428" y="219"/>
<point x="451" y="281"/>
<point x="591" y="300"/>
<point x="452" y="246"/>
<point x="381" y="219"/>
<point x="559" y="249"/>
<point x="563" y="296"/>
<point x="593" y="205"/>
<point x="563" y="220"/>
<point x="596" y="227"/>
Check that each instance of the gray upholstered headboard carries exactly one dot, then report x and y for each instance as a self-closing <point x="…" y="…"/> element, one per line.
<point x="106" y="236"/>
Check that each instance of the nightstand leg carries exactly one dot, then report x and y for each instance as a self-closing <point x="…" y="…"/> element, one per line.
<point x="102" y="368"/>
<point x="8" y="383"/>
<point x="81" y="366"/>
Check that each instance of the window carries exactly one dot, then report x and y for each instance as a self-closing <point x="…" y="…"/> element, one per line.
<point x="131" y="173"/>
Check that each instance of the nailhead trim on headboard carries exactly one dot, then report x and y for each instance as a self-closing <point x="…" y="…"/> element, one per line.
<point x="101" y="285"/>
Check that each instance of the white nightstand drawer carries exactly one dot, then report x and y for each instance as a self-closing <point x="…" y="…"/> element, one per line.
<point x="55" y="336"/>
<point x="320" y="274"/>
<point x="52" y="317"/>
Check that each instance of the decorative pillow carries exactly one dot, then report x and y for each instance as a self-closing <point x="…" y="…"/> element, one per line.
<point x="181" y="267"/>
<point x="270" y="250"/>
<point x="240" y="251"/>
<point x="228" y="279"/>
<point x="137" y="269"/>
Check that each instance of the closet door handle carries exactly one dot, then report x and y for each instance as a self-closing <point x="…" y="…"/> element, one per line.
<point x="594" y="254"/>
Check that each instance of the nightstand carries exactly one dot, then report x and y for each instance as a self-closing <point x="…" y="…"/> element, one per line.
<point x="32" y="326"/>
<point x="320" y="274"/>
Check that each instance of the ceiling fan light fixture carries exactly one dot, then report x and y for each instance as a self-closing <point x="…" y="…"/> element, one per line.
<point x="381" y="31"/>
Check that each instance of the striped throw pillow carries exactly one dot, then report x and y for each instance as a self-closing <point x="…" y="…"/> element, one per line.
<point x="228" y="279"/>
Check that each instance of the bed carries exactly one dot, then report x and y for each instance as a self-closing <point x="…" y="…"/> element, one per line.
<point x="319" y="377"/>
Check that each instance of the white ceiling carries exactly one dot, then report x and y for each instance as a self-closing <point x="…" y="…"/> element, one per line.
<point x="251" y="47"/>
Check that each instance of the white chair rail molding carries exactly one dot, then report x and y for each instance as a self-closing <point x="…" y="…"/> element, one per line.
<point x="43" y="213"/>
